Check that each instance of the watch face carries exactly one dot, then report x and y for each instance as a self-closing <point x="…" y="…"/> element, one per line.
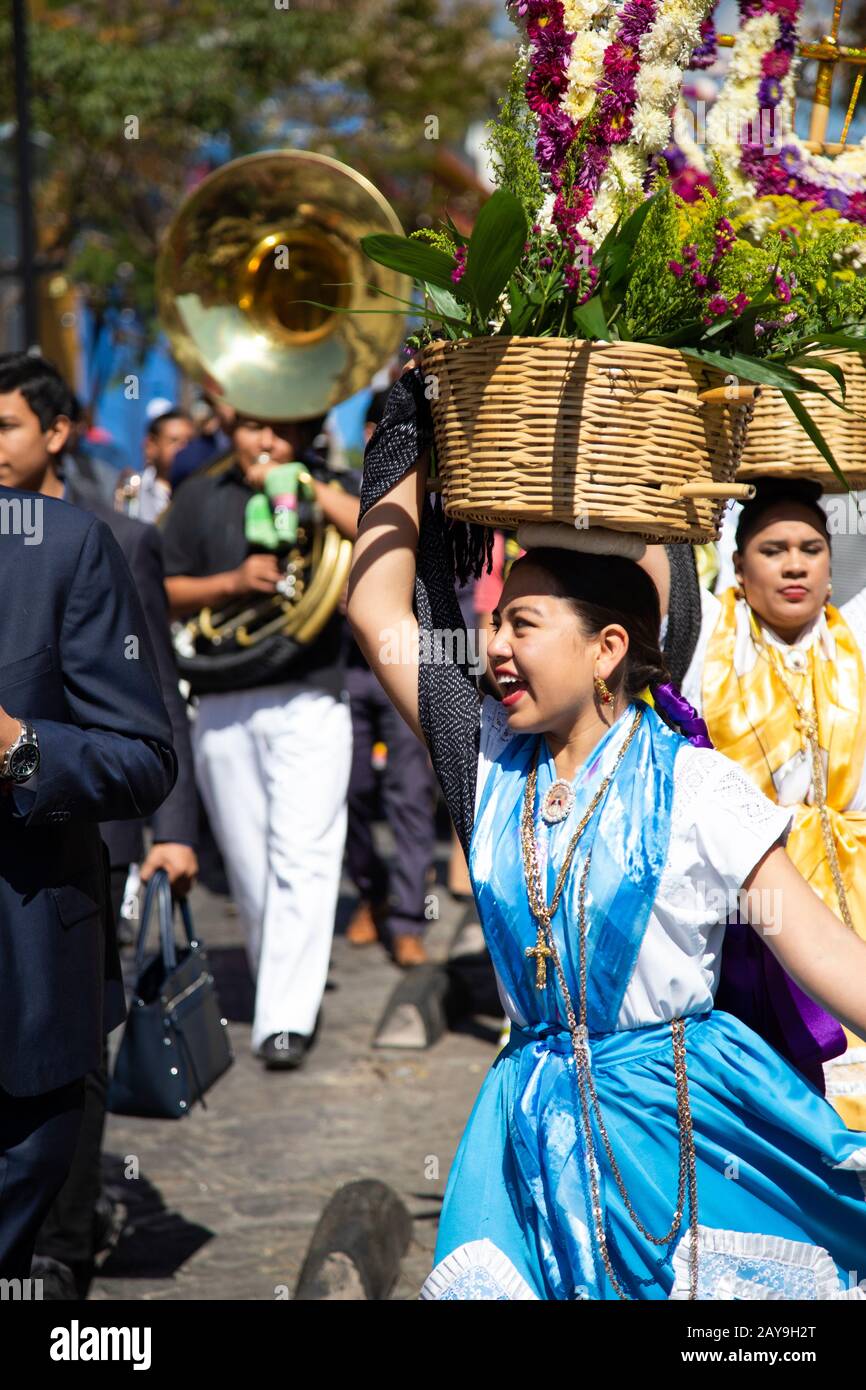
<point x="23" y="762"/>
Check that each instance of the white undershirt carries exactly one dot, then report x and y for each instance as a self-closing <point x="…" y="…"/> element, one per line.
<point x="721" y="826"/>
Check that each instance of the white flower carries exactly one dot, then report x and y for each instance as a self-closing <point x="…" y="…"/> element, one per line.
<point x="588" y="48"/>
<point x="545" y="216"/>
<point x="650" y="128"/>
<point x="657" y="84"/>
<point x="578" y="102"/>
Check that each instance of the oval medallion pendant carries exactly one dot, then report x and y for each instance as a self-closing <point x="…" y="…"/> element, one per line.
<point x="557" y="803"/>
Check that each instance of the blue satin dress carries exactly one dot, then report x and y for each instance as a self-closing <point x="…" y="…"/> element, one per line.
<point x="781" y="1182"/>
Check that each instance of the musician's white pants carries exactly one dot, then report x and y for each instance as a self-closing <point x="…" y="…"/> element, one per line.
<point x="272" y="766"/>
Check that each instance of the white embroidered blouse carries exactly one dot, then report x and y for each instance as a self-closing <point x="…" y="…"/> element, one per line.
<point x="721" y="826"/>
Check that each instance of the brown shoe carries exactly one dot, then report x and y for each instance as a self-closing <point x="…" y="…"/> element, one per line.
<point x="409" y="950"/>
<point x="363" y="929"/>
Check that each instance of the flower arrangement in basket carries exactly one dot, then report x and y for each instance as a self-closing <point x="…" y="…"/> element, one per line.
<point x="592" y="349"/>
<point x="811" y="193"/>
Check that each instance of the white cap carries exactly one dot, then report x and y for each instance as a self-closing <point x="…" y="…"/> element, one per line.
<point x="158" y="406"/>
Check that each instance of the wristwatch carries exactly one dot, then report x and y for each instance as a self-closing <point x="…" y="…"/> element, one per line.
<point x="21" y="759"/>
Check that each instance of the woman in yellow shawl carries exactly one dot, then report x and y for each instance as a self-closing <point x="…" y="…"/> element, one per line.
<point x="778" y="674"/>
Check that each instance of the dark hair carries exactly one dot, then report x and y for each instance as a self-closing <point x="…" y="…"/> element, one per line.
<point x="155" y="425"/>
<point x="40" y="383"/>
<point x="770" y="491"/>
<point x="610" y="589"/>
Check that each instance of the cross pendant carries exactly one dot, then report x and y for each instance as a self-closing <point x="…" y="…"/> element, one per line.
<point x="540" y="951"/>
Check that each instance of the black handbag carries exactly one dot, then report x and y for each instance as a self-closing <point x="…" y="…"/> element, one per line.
<point x="175" y="1045"/>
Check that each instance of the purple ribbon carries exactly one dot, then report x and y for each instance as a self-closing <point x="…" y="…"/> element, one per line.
<point x="675" y="705"/>
<point x="752" y="984"/>
<point x="758" y="990"/>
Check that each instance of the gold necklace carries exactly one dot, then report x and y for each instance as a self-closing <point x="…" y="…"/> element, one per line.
<point x="808" y="726"/>
<point x="589" y="1101"/>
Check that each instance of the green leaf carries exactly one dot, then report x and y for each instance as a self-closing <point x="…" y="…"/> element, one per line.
<point x="824" y="364"/>
<point x="817" y="438"/>
<point x="631" y="228"/>
<point x="590" y="318"/>
<point x="755" y="369"/>
<point x="679" y="337"/>
<point x="449" y="307"/>
<point x="422" y="262"/>
<point x="842" y="340"/>
<point x="495" y="247"/>
<point x="522" y="309"/>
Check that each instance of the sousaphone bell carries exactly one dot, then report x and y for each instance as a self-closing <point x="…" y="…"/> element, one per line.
<point x="262" y="289"/>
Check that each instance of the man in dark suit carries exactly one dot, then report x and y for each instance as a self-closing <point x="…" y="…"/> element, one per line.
<point x="84" y="738"/>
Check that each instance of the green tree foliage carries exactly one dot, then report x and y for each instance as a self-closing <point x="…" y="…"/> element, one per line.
<point x="367" y="81"/>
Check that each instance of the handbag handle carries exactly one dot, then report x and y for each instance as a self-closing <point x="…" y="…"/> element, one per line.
<point x="158" y="895"/>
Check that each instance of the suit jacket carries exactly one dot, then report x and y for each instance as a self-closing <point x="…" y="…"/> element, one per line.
<point x="176" y="820"/>
<point x="76" y="661"/>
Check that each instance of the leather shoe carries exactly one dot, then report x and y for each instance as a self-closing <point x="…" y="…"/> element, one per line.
<point x="284" y="1051"/>
<point x="409" y="950"/>
<point x="365" y="925"/>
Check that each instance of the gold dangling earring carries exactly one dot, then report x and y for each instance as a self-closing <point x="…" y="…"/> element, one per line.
<point x="602" y="691"/>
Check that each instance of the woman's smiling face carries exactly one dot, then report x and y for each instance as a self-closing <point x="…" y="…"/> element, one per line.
<point x="540" y="657"/>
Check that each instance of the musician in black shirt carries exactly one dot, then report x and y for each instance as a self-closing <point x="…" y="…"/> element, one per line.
<point x="272" y="745"/>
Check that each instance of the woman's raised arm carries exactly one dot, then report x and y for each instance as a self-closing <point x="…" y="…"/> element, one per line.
<point x="827" y="959"/>
<point x="382" y="586"/>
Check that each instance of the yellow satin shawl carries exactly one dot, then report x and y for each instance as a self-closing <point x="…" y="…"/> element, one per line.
<point x="751" y="718"/>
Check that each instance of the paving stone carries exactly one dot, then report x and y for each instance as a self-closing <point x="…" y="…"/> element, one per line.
<point x="227" y="1198"/>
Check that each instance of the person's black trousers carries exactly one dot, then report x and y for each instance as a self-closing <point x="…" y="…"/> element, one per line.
<point x="67" y="1234"/>
<point x="38" y="1135"/>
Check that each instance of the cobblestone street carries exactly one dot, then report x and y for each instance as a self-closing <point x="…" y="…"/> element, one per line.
<point x="226" y="1200"/>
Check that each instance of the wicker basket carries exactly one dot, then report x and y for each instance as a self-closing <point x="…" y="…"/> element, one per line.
<point x="777" y="446"/>
<point x="625" y="435"/>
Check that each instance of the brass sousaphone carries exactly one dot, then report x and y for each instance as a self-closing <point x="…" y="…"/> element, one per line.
<point x="252" y="255"/>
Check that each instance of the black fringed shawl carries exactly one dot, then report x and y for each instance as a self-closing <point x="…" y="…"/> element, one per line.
<point x="449" y="699"/>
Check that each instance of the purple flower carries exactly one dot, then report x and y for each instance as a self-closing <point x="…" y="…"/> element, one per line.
<point x="717" y="305"/>
<point x="675" y="159"/>
<point x="787" y="40"/>
<point x="789" y="158"/>
<point x="740" y="302"/>
<point x="783" y="289"/>
<point x="636" y="16"/>
<point x="544" y="87"/>
<point x="836" y="198"/>
<point x="676" y="269"/>
<point x="705" y="54"/>
<point x="769" y="92"/>
<point x="460" y="268"/>
<point x="593" y="162"/>
<point x="556" y="131"/>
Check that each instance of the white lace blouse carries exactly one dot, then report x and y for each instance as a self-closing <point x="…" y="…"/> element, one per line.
<point x="721" y="826"/>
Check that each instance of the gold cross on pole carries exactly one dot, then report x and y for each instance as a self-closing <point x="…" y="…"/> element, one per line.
<point x="540" y="951"/>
